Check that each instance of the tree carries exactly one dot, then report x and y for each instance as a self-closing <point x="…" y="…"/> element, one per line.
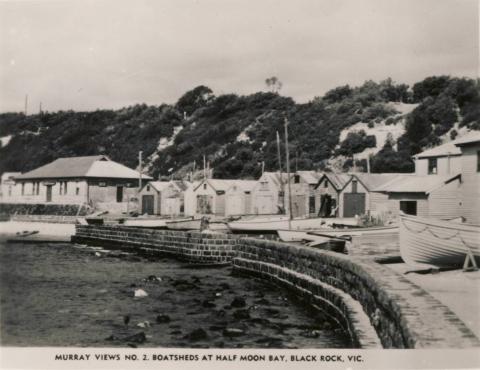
<point x="337" y="94"/>
<point x="431" y="86"/>
<point x="273" y="84"/>
<point x="194" y="99"/>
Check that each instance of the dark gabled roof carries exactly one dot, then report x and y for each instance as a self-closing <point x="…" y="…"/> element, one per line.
<point x="96" y="166"/>
<point x="338" y="180"/>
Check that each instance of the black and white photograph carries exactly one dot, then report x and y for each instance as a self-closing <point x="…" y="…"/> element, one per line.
<point x="232" y="184"/>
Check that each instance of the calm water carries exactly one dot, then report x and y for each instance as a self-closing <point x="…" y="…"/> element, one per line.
<point x="72" y="295"/>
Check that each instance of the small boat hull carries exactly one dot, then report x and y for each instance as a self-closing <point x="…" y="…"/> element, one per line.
<point x="283" y="223"/>
<point x="148" y="223"/>
<point x="184" y="225"/>
<point x="298" y="235"/>
<point x="437" y="242"/>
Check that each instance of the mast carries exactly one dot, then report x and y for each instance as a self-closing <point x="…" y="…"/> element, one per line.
<point x="280" y="168"/>
<point x="140" y="164"/>
<point x="204" y="167"/>
<point x="288" y="176"/>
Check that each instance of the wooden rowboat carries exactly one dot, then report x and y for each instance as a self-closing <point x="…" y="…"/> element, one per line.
<point x="154" y="223"/>
<point x="194" y="224"/>
<point x="437" y="242"/>
<point x="283" y="223"/>
<point x="298" y="235"/>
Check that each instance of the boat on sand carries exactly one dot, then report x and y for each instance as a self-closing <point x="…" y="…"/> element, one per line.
<point x="282" y="222"/>
<point x="438" y="243"/>
<point x="298" y="235"/>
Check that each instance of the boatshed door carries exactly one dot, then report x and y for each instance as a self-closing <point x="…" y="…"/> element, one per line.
<point x="147" y="204"/>
<point x="49" y="193"/>
<point x="354" y="204"/>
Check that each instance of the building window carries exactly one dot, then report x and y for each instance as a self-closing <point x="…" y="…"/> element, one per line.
<point x="23" y="188"/>
<point x="478" y="161"/>
<point x="65" y="187"/>
<point x="10" y="190"/>
<point x="37" y="191"/>
<point x="204" y="186"/>
<point x="432" y="166"/>
<point x="148" y="187"/>
<point x="77" y="191"/>
<point x="408" y="207"/>
<point x="354" y="186"/>
<point x="325" y="184"/>
<point x="296" y="179"/>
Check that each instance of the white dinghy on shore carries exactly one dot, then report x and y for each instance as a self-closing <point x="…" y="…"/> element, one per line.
<point x="439" y="243"/>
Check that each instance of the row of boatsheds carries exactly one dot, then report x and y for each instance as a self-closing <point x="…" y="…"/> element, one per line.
<point x="445" y="185"/>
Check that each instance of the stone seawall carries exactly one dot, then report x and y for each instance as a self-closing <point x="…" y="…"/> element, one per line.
<point x="374" y="304"/>
<point x="193" y="247"/>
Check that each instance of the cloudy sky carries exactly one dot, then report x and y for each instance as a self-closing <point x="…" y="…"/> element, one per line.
<point x="85" y="55"/>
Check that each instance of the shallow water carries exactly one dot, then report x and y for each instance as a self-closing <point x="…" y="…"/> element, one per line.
<point x="72" y="295"/>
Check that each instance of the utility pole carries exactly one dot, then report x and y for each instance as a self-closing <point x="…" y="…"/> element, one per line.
<point x="288" y="176"/>
<point x="140" y="165"/>
<point x="40" y="108"/>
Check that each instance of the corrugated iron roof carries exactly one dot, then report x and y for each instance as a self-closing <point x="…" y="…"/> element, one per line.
<point x="440" y="151"/>
<point x="310" y="177"/>
<point x="159" y="185"/>
<point x="470" y="138"/>
<point x="277" y="177"/>
<point x="411" y="183"/>
<point x="374" y="180"/>
<point x="451" y="148"/>
<point x="244" y="185"/>
<point x="98" y="166"/>
<point x="181" y="184"/>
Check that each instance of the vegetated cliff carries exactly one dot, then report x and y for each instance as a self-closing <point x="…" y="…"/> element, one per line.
<point x="384" y="121"/>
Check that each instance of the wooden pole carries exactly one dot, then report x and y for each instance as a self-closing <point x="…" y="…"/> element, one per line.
<point x="204" y="168"/>
<point x="140" y="165"/>
<point x="288" y="176"/>
<point x="279" y="153"/>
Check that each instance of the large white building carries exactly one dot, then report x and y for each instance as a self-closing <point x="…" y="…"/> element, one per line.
<point x="93" y="180"/>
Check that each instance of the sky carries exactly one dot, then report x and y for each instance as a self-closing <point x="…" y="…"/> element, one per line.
<point x="87" y="55"/>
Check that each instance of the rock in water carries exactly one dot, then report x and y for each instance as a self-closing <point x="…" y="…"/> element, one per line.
<point x="233" y="332"/>
<point x="136" y="338"/>
<point x="197" y="334"/>
<point x="208" y="304"/>
<point x="140" y="293"/>
<point x="238" y="302"/>
<point x="144" y="324"/>
<point x="162" y="319"/>
<point x="241" y="314"/>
